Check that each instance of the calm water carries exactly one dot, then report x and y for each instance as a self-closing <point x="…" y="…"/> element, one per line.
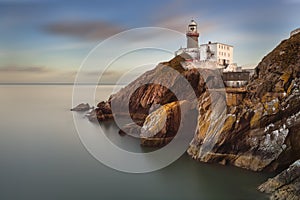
<point x="43" y="158"/>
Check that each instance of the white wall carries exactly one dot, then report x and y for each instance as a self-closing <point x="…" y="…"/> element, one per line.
<point x="221" y="51"/>
<point x="224" y="52"/>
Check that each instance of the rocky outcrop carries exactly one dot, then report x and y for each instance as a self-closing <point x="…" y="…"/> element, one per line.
<point x="160" y="92"/>
<point x="143" y="93"/>
<point x="156" y="88"/>
<point x="284" y="186"/>
<point x="260" y="132"/>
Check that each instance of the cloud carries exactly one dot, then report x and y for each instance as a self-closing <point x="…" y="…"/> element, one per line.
<point x="91" y="30"/>
<point x="25" y="74"/>
<point x="68" y="46"/>
<point x="179" y="17"/>
<point x="35" y="69"/>
<point x="105" y="73"/>
<point x="40" y="74"/>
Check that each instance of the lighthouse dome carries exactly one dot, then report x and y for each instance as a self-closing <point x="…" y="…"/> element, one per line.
<point x="193" y="23"/>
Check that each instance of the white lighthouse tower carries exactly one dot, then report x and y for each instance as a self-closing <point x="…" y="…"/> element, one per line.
<point x="192" y="46"/>
<point x="192" y="35"/>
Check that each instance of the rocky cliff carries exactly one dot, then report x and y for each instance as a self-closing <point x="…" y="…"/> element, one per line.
<point x="260" y="132"/>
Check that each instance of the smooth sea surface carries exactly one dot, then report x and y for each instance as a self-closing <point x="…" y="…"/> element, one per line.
<point x="42" y="157"/>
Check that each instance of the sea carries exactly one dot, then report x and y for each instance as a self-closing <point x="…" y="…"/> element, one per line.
<point x="42" y="157"/>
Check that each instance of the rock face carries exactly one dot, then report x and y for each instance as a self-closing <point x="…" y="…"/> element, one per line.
<point x="160" y="92"/>
<point x="260" y="132"/>
<point x="284" y="186"/>
<point x="162" y="125"/>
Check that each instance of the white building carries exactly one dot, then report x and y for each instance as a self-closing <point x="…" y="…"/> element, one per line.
<point x="218" y="52"/>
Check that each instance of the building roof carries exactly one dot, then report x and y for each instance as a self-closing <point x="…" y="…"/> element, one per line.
<point x="193" y="23"/>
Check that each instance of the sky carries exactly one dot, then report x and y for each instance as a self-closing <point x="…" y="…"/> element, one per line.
<point x="47" y="41"/>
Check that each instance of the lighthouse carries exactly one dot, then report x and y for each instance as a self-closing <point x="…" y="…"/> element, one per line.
<point x="192" y="46"/>
<point x="218" y="55"/>
<point x="192" y="35"/>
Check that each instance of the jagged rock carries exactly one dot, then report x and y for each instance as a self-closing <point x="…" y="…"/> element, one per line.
<point x="284" y="186"/>
<point x="81" y="107"/>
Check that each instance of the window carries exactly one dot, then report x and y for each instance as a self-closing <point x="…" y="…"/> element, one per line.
<point x="227" y="48"/>
<point x="224" y="54"/>
<point x="228" y="54"/>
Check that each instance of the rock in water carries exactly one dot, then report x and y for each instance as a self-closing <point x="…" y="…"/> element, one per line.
<point x="284" y="186"/>
<point x="81" y="107"/>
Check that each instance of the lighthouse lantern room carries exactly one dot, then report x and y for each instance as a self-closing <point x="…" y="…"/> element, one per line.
<point x="192" y="35"/>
